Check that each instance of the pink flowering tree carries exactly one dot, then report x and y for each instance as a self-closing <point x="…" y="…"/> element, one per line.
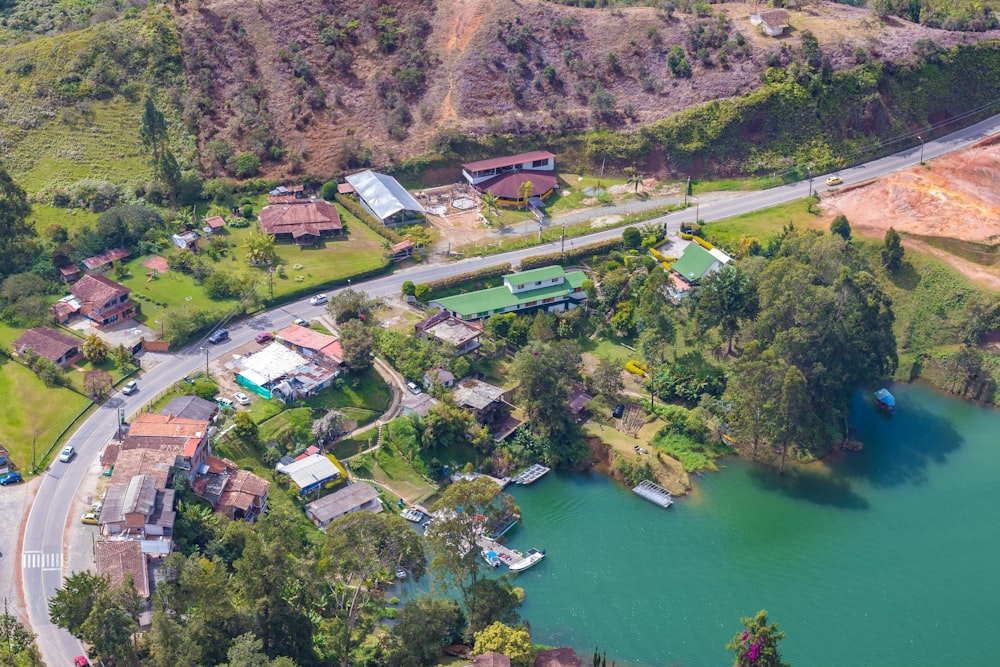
<point x="757" y="644"/>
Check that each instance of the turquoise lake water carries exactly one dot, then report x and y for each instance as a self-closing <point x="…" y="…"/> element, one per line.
<point x="883" y="557"/>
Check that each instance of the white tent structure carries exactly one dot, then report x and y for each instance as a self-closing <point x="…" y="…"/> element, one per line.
<point x="384" y="197"/>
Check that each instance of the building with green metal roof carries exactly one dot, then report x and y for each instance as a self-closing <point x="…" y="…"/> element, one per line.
<point x="695" y="263"/>
<point x="549" y="288"/>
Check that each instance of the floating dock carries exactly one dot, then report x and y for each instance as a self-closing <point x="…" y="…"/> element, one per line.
<point x="507" y="556"/>
<point x="530" y="475"/>
<point x="654" y="493"/>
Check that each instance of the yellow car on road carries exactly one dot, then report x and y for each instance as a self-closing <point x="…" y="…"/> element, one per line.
<point x="90" y="518"/>
<point x="834" y="180"/>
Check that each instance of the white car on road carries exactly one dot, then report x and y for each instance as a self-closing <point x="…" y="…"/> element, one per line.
<point x="67" y="454"/>
<point x="318" y="299"/>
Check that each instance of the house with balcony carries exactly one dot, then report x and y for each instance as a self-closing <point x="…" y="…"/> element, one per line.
<point x="549" y="288"/>
<point x="504" y="176"/>
<point x="101" y="300"/>
<point x="187" y="440"/>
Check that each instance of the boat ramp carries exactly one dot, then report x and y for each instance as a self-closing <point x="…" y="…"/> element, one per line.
<point x="654" y="493"/>
<point x="531" y="474"/>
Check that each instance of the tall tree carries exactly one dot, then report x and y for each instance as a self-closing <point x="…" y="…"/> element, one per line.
<point x="608" y="378"/>
<point x="260" y="248"/>
<point x="757" y="644"/>
<point x="17" y="233"/>
<point x="892" y="251"/>
<point x="74" y="601"/>
<point x="424" y="626"/>
<point x="490" y="201"/>
<point x="726" y="298"/>
<point x="358" y="342"/>
<point x="513" y="642"/>
<point x="153" y="132"/>
<point x="751" y="391"/>
<point x="524" y="191"/>
<point x="17" y="645"/>
<point x="841" y="227"/>
<point x="350" y="304"/>
<point x="97" y="383"/>
<point x="95" y="349"/>
<point x="113" y="622"/>
<point x="361" y="554"/>
<point x="545" y="374"/>
<point x="452" y="539"/>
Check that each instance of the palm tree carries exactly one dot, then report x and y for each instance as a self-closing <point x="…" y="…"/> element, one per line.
<point x="524" y="191"/>
<point x="490" y="201"/>
<point x="95" y="349"/>
<point x="635" y="179"/>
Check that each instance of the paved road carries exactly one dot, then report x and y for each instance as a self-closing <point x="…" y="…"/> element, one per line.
<point x="44" y="533"/>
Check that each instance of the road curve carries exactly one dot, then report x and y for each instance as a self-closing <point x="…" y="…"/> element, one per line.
<point x="45" y="528"/>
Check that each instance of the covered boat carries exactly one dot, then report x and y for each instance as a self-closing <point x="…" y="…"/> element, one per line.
<point x="491" y="558"/>
<point x="885" y="400"/>
<point x="532" y="557"/>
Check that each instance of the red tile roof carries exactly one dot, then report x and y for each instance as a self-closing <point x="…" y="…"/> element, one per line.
<point x="46" y="343"/>
<point x="151" y="424"/>
<point x="97" y="289"/>
<point x="507" y="186"/>
<point x="345" y="188"/>
<point x="70" y="270"/>
<point x="243" y="491"/>
<point x="116" y="559"/>
<point x="289" y="218"/>
<point x="286" y="199"/>
<point x="402" y="245"/>
<point x="105" y="258"/>
<point x="215" y="222"/>
<point x="305" y="337"/>
<point x="497" y="162"/>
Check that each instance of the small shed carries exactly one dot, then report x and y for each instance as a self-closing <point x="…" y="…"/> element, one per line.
<point x="186" y="240"/>
<point x="70" y="274"/>
<point x="773" y="22"/>
<point x="310" y="473"/>
<point x="214" y="224"/>
<point x="359" y="497"/>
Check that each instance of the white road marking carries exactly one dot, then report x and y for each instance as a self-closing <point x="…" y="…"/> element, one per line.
<point x="33" y="560"/>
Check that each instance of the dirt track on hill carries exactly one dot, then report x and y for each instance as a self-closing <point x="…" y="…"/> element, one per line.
<point x="956" y="196"/>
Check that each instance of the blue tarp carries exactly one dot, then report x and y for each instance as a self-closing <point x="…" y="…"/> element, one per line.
<point x="885" y="397"/>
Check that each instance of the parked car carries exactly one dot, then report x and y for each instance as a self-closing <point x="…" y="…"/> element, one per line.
<point x="264" y="337"/>
<point x="225" y="402"/>
<point x="301" y="322"/>
<point x="241" y="398"/>
<point x="80" y="661"/>
<point x="219" y="336"/>
<point x="318" y="299"/>
<point x="413" y="387"/>
<point x="67" y="454"/>
<point x="130" y="387"/>
<point x="618" y="411"/>
<point x="90" y="518"/>
<point x="834" y="180"/>
<point x="10" y="478"/>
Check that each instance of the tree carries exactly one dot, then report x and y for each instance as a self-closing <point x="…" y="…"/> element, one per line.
<point x="447" y="425"/>
<point x="74" y="601"/>
<point x="524" y="191"/>
<point x="245" y="165"/>
<point x="349" y="304"/>
<point x="452" y="539"/>
<point x="841" y="227"/>
<point x="757" y="644"/>
<point x="260" y="248"/>
<point x="122" y="358"/>
<point x="245" y="428"/>
<point x="608" y="378"/>
<point x="170" y="171"/>
<point x="490" y="201"/>
<point x="17" y="645"/>
<point x="513" y="642"/>
<point x="423" y="627"/>
<point x="97" y="383"/>
<point x="358" y="342"/>
<point x="327" y="427"/>
<point x="95" y="349"/>
<point x="153" y="131"/>
<point x="632" y="237"/>
<point x="329" y="191"/>
<point x="892" y="251"/>
<point x="633" y="177"/>
<point x="725" y="298"/>
<point x="23" y="297"/>
<point x="363" y="551"/>
<point x="246" y="651"/>
<point x="113" y="622"/>
<point x="408" y="288"/>
<point x="496" y="601"/>
<point x="17" y="233"/>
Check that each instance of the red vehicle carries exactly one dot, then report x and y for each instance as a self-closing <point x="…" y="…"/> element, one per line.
<point x="80" y="661"/>
<point x="264" y="337"/>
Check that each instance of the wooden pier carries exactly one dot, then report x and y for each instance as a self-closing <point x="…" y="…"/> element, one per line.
<point x="507" y="556"/>
<point x="530" y="475"/>
<point x="654" y="493"/>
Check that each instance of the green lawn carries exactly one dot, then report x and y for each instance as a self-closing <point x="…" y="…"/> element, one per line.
<point x="611" y="349"/>
<point x="762" y="224"/>
<point x="734" y="184"/>
<point x="71" y="219"/>
<point x="29" y="409"/>
<point x="361" y="390"/>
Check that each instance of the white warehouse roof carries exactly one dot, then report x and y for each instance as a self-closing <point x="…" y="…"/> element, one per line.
<point x="383" y="194"/>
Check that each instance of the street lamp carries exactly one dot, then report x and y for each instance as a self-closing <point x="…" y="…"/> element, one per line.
<point x="921" y="148"/>
<point x="205" y="349"/>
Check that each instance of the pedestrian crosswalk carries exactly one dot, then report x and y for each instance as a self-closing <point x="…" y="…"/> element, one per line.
<point x="45" y="560"/>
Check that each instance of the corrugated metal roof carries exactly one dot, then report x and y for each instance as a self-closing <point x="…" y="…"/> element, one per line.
<point x="383" y="194"/>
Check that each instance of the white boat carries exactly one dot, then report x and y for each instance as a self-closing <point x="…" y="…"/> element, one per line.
<point x="491" y="558"/>
<point x="400" y="573"/>
<point x="412" y="514"/>
<point x="534" y="555"/>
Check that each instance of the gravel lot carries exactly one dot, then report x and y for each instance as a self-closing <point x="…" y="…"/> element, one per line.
<point x="15" y="500"/>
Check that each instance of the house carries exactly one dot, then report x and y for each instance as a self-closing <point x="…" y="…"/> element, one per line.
<point x="214" y="224"/>
<point x="186" y="240"/>
<point x="244" y="496"/>
<point x="385" y="198"/>
<point x="697" y="262"/>
<point x="120" y="559"/>
<point x="402" y="250"/>
<point x="302" y="221"/>
<point x="128" y="463"/>
<point x="548" y="288"/>
<point x="69" y="274"/>
<point x="439" y="377"/>
<point x="358" y="497"/>
<point x="102" y="301"/>
<point x="310" y="473"/>
<point x="578" y="400"/>
<point x="418" y="404"/>
<point x="557" y="657"/>
<point x="491" y="659"/>
<point x="459" y="337"/>
<point x="772" y="22"/>
<point x="345" y="189"/>
<point x="59" y="348"/>
<point x="105" y="258"/>
<point x="312" y="344"/>
<point x="186" y="439"/>
<point x="482" y="399"/>
<point x="280" y="372"/>
<point x="504" y="176"/>
<point x="191" y="407"/>
<point x="138" y="509"/>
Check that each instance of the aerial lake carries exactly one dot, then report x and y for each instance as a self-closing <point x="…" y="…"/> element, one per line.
<point x="882" y="557"/>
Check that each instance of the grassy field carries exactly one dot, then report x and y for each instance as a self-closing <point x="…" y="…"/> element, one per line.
<point x="389" y="467"/>
<point x="762" y="224"/>
<point x="71" y="219"/>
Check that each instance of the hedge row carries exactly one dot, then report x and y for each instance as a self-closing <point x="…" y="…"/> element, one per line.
<point x="571" y="256"/>
<point x="481" y="274"/>
<point x="364" y="216"/>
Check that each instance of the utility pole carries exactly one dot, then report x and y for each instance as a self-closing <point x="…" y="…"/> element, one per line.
<point x="810" y="170"/>
<point x="562" y="247"/>
<point x="270" y="281"/>
<point x="921" y="148"/>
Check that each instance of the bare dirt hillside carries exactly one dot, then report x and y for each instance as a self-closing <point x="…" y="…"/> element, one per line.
<point x="347" y="83"/>
<point x="952" y="198"/>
